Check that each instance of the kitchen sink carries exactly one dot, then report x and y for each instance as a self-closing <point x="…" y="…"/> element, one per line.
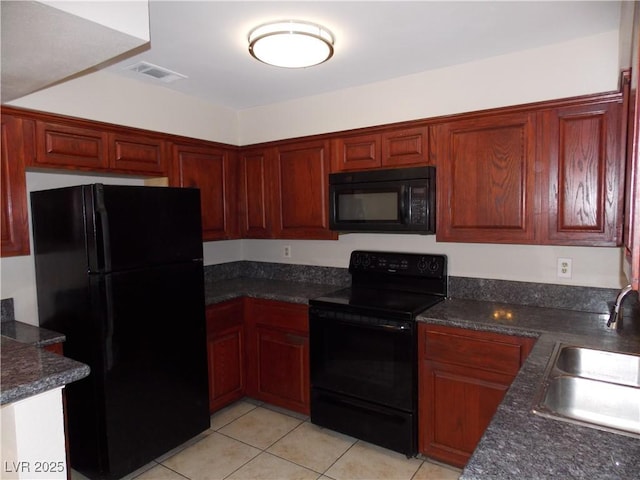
<point x="600" y="365"/>
<point x="591" y="387"/>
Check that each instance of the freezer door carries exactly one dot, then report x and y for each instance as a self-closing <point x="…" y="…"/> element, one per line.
<point x="151" y="383"/>
<point x="132" y="227"/>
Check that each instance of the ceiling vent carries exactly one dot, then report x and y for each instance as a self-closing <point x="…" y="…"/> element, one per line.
<point x="159" y="73"/>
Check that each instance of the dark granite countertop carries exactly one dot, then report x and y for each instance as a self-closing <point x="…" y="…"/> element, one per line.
<point x="29" y="370"/>
<point x="517" y="443"/>
<point x="30" y="334"/>
<point x="520" y="444"/>
<point x="284" y="291"/>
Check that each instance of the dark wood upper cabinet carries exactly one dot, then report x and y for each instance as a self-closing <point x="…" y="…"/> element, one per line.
<point x="15" y="224"/>
<point x="632" y="184"/>
<point x="359" y="152"/>
<point x="582" y="175"/>
<point x="256" y="174"/>
<point x="398" y="147"/>
<point x="69" y="146"/>
<point x="301" y="187"/>
<point x="136" y="153"/>
<point x="214" y="172"/>
<point x="486" y="178"/>
<point x="404" y="147"/>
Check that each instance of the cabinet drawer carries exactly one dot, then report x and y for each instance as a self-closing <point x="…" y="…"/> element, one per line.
<point x="286" y="316"/>
<point x="225" y="315"/>
<point x="69" y="146"/>
<point x="137" y="154"/>
<point x="479" y="350"/>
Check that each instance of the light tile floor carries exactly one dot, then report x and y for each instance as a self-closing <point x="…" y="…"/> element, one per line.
<point x="253" y="441"/>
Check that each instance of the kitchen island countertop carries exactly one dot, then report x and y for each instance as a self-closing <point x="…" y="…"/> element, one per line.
<point x="517" y="443"/>
<point x="28" y="370"/>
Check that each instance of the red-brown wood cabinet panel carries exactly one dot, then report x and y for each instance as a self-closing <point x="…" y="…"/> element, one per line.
<point x="136" y="153"/>
<point x="301" y="186"/>
<point x="583" y="174"/>
<point x="15" y="224"/>
<point x="70" y="146"/>
<point x="226" y="353"/>
<point x="463" y="377"/>
<point x="278" y="353"/>
<point x="358" y="152"/>
<point x="486" y="178"/>
<point x="632" y="184"/>
<point x="214" y="172"/>
<point x="405" y="147"/>
<point x="256" y="174"/>
<point x="398" y="147"/>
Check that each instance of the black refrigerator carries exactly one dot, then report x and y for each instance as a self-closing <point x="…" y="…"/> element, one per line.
<point x="119" y="272"/>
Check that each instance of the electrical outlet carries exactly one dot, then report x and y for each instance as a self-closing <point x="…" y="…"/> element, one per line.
<point x="564" y="268"/>
<point x="286" y="251"/>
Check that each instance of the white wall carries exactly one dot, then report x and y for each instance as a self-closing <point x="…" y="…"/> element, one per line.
<point x="106" y="97"/>
<point x="597" y="267"/>
<point x="582" y="66"/>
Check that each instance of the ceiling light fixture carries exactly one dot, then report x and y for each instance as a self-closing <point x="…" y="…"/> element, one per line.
<point x="291" y="44"/>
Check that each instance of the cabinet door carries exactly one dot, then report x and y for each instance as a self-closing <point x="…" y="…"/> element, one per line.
<point x="632" y="184"/>
<point x="278" y="353"/>
<point x="139" y="154"/>
<point x="301" y="185"/>
<point x="213" y="171"/>
<point x="356" y="153"/>
<point x="226" y="353"/>
<point x="283" y="359"/>
<point x="256" y="199"/>
<point x="458" y="404"/>
<point x="69" y="146"/>
<point x="583" y="180"/>
<point x="463" y="377"/>
<point x="15" y="225"/>
<point x="485" y="179"/>
<point x="403" y="147"/>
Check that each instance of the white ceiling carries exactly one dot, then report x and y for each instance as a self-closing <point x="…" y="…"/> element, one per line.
<point x="207" y="41"/>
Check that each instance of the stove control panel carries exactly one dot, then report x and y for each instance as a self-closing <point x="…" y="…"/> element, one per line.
<point x="393" y="263"/>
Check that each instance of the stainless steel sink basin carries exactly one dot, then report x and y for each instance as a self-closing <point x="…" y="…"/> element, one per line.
<point x="597" y="403"/>
<point x="600" y="365"/>
<point x="591" y="387"/>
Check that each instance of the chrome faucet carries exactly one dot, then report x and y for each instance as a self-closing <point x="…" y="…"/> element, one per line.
<point x="615" y="319"/>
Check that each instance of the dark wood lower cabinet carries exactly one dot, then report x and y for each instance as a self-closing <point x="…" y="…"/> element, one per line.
<point x="258" y="348"/>
<point x="278" y="353"/>
<point x="463" y="377"/>
<point x="225" y="353"/>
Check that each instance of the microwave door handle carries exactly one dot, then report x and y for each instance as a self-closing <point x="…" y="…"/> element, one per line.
<point x="405" y="214"/>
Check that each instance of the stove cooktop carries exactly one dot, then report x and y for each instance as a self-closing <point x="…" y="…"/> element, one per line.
<point x="378" y="302"/>
<point x="390" y="285"/>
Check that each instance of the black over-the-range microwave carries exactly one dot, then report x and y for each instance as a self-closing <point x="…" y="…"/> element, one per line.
<point x="399" y="200"/>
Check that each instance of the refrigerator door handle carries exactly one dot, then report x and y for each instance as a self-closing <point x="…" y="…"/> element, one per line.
<point x="108" y="334"/>
<point x="104" y="253"/>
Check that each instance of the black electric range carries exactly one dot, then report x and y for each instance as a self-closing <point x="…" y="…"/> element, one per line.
<point x="363" y="342"/>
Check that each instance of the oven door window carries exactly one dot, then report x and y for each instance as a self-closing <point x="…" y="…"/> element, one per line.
<point x="371" y="363"/>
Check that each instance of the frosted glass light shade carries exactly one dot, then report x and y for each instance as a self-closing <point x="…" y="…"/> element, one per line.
<point x="291" y="44"/>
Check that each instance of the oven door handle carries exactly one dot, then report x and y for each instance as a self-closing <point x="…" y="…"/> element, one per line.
<point x="400" y="328"/>
<point x="395" y="328"/>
